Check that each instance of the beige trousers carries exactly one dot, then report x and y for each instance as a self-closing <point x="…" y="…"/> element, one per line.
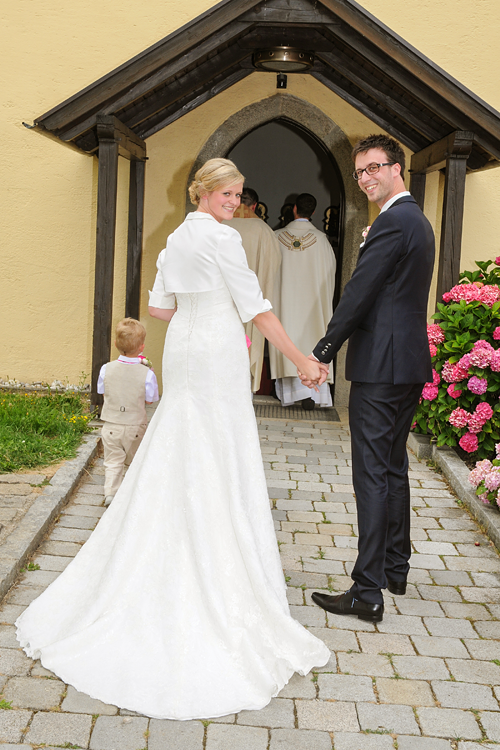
<point x="120" y="442"/>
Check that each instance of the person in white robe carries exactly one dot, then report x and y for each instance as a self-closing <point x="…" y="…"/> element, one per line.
<point x="264" y="258"/>
<point x="303" y="300"/>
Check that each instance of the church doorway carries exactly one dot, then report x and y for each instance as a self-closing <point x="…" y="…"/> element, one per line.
<point x="280" y="160"/>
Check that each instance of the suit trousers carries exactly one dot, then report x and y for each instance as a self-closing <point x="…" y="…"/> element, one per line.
<point x="380" y="417"/>
<point x="120" y="443"/>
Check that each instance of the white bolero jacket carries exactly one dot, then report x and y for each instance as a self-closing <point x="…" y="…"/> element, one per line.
<point x="203" y="255"/>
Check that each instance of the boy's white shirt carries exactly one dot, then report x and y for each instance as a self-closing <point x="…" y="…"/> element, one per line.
<point x="151" y="382"/>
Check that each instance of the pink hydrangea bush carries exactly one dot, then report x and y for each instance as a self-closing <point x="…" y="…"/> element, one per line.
<point x="485" y="477"/>
<point x="460" y="406"/>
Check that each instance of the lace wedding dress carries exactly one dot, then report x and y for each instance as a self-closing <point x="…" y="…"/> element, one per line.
<point x="176" y="606"/>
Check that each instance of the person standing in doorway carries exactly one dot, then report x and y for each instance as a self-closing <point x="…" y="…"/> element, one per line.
<point x="383" y="313"/>
<point x="264" y="257"/>
<point x="303" y="299"/>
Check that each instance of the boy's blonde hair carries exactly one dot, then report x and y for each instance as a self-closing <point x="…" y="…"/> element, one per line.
<point x="130" y="334"/>
<point x="215" y="173"/>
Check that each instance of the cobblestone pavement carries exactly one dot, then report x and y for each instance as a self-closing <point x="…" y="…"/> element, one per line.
<point x="426" y="678"/>
<point x="18" y="492"/>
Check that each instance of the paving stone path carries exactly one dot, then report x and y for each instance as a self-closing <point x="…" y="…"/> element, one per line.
<point x="18" y="492"/>
<point x="426" y="678"/>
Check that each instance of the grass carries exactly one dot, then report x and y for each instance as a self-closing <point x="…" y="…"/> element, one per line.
<point x="38" y="429"/>
<point x="30" y="566"/>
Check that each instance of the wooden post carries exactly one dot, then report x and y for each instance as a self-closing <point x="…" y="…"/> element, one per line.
<point x="417" y="188"/>
<point x="105" y="251"/>
<point x="451" y="224"/>
<point x="134" y="244"/>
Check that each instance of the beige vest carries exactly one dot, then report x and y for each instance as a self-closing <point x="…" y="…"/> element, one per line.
<point x="124" y="393"/>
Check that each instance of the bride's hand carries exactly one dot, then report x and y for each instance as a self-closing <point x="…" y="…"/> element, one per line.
<point x="310" y="373"/>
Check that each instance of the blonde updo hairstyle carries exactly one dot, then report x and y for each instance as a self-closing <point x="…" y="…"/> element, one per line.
<point x="215" y="173"/>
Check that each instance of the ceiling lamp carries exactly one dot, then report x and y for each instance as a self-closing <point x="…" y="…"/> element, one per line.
<point x="283" y="60"/>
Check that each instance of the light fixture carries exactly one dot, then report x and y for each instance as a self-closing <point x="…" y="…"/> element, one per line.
<point x="283" y="60"/>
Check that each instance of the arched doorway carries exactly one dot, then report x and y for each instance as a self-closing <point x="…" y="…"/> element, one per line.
<point x="280" y="160"/>
<point x="327" y="134"/>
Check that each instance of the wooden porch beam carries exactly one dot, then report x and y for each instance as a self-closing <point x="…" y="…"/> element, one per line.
<point x="451" y="224"/>
<point x="436" y="155"/>
<point x="417" y="188"/>
<point x="107" y="186"/>
<point x="134" y="243"/>
<point x="381" y="93"/>
<point x="146" y="63"/>
<point x="190" y="102"/>
<point x="370" y="110"/>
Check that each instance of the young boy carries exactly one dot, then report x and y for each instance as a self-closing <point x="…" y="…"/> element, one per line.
<point x="127" y="384"/>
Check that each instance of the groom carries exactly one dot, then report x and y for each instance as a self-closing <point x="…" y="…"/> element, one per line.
<point x="383" y="313"/>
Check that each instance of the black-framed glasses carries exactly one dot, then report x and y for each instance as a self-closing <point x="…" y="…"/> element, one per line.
<point x="371" y="169"/>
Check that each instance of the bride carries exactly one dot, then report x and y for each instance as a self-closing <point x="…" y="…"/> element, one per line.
<point x="176" y="606"/>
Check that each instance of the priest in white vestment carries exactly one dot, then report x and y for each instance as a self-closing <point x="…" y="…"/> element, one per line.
<point x="303" y="300"/>
<point x="264" y="257"/>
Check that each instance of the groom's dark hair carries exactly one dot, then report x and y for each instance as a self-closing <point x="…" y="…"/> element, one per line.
<point x="392" y="149"/>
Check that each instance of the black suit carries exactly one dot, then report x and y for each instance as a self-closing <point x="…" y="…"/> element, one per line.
<point x="383" y="312"/>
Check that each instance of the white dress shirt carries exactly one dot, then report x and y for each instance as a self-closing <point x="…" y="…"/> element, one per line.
<point x="151" y="382"/>
<point x="203" y="255"/>
<point x="394" y="199"/>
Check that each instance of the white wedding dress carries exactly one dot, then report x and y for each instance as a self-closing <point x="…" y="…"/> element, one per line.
<point x="176" y="606"/>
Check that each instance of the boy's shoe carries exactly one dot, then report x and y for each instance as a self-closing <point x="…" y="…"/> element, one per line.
<point x="108" y="499"/>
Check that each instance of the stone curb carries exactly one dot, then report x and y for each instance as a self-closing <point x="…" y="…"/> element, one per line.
<point x="457" y="474"/>
<point x="22" y="542"/>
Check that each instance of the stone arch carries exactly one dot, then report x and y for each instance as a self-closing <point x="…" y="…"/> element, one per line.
<point x="306" y="117"/>
<point x="329" y="135"/>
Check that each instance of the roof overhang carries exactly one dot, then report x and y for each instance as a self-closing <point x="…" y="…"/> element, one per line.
<point x="356" y="57"/>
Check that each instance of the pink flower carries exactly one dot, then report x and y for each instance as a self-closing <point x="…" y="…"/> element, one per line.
<point x="447" y="371"/>
<point x="495" y="361"/>
<point x="477" y="385"/>
<point x="435" y="377"/>
<point x="430" y="392"/>
<point x="451" y="391"/>
<point x="497" y="450"/>
<point x="464" y="362"/>
<point x="496" y="333"/>
<point x="484" y="498"/>
<point x="461" y="369"/>
<point x="447" y="297"/>
<point x="482" y="344"/>
<point x="480" y="357"/>
<point x="435" y="334"/>
<point x="497" y="260"/>
<point x="478" y="474"/>
<point x="433" y="349"/>
<point x="469" y="442"/>
<point x="485" y="410"/>
<point x="468" y="292"/>
<point x="458" y="418"/>
<point x="489" y="295"/>
<point x="492" y="480"/>
<point x="475" y="423"/>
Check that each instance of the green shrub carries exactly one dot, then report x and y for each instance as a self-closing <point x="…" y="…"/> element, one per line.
<point x="462" y="405"/>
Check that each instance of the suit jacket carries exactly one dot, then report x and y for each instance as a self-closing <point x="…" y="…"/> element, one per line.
<point x="383" y="310"/>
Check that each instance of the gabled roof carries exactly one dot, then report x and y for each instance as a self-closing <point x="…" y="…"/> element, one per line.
<point x="356" y="56"/>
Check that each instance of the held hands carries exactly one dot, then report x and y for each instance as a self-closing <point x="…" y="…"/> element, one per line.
<point x="313" y="373"/>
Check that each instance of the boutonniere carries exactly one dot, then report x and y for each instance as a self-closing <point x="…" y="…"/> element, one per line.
<point x="365" y="231"/>
<point x="145" y="361"/>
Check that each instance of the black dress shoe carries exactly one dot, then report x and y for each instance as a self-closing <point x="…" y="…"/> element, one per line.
<point x="398" y="588"/>
<point x="308" y="404"/>
<point x="347" y="604"/>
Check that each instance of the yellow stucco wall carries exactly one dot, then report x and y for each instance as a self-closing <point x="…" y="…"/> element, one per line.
<point x="48" y="190"/>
